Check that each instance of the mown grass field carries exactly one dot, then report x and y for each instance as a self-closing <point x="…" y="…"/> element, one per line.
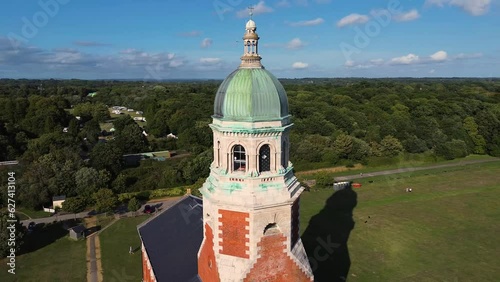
<point x="117" y="263"/>
<point x="445" y="230"/>
<point x="54" y="257"/>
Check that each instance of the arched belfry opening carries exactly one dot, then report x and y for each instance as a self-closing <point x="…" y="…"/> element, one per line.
<point x="265" y="158"/>
<point x="239" y="158"/>
<point x="271" y="229"/>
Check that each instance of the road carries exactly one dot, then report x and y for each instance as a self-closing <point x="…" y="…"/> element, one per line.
<point x="409" y="169"/>
<point x="9" y="163"/>
<point x="162" y="204"/>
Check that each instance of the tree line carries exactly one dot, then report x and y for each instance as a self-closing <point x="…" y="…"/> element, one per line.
<point x="337" y="121"/>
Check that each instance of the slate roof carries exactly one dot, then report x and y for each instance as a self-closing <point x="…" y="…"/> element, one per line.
<point x="78" y="229"/>
<point x="172" y="240"/>
<point x="58" y="198"/>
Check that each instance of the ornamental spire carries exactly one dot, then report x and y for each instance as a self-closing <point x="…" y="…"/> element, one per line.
<point x="250" y="58"/>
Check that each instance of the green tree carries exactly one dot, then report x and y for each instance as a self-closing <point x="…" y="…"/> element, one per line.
<point x="89" y="180"/>
<point x="158" y="125"/>
<point x="131" y="139"/>
<point x="91" y="131"/>
<point x="107" y="156"/>
<point x="133" y="205"/>
<point x="198" y="167"/>
<point x="87" y="111"/>
<point x="74" y="204"/>
<point x="105" y="200"/>
<point x="471" y="128"/>
<point x="391" y="146"/>
<point x="120" y="123"/>
<point x="343" y="145"/>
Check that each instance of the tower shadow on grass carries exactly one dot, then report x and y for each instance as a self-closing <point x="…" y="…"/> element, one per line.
<point x="325" y="238"/>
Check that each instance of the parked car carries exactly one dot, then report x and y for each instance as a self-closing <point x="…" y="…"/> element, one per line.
<point x="31" y="227"/>
<point x="148" y="209"/>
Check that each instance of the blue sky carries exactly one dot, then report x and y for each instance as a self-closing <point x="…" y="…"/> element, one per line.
<point x="158" y="39"/>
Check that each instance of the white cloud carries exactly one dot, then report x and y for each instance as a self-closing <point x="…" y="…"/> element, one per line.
<point x="300" y="65"/>
<point x="260" y="8"/>
<point x="473" y="7"/>
<point x="432" y="71"/>
<point x="316" y="21"/>
<point x="406" y="60"/>
<point x="295" y="43"/>
<point x="408" y="16"/>
<point x="439" y="56"/>
<point x="353" y="19"/>
<point x="411" y="59"/>
<point x="367" y="65"/>
<point x="207" y="42"/>
<point x="210" y="61"/>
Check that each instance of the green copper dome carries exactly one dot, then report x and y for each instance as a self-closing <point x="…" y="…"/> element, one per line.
<point x="251" y="94"/>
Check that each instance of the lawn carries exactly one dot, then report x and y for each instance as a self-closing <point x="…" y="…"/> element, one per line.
<point x="117" y="263"/>
<point x="445" y="230"/>
<point x="33" y="213"/>
<point x="52" y="256"/>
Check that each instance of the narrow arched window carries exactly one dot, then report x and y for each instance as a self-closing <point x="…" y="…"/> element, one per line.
<point x="239" y="158"/>
<point x="264" y="158"/>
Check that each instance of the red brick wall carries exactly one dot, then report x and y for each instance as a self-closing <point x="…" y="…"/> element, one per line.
<point x="207" y="267"/>
<point x="274" y="265"/>
<point x="145" y="271"/>
<point x="233" y="233"/>
<point x="295" y="222"/>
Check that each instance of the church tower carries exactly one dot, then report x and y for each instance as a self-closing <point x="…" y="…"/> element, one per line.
<point x="251" y="198"/>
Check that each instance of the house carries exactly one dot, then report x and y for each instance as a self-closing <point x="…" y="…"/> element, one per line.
<point x="77" y="232"/>
<point x="171" y="135"/>
<point x="130" y="110"/>
<point x="139" y="112"/>
<point x="65" y="130"/>
<point x="116" y="112"/>
<point x="57" y="201"/>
